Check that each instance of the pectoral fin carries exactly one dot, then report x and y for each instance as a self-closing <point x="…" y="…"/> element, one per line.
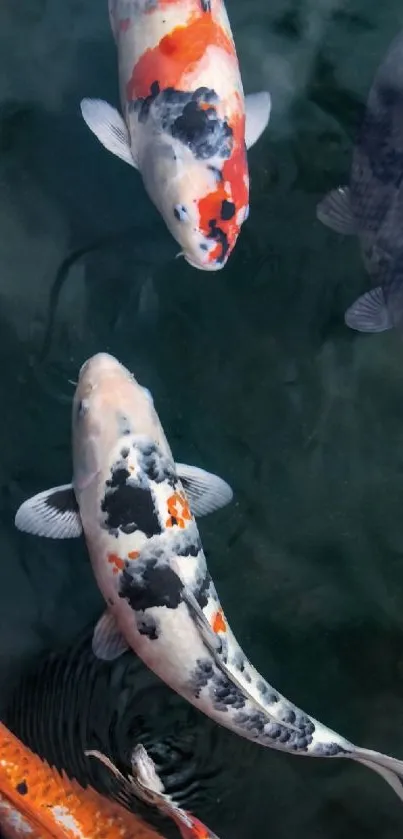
<point x="53" y="513"/>
<point x="109" y="126"/>
<point x="369" y="313"/>
<point x="108" y="642"/>
<point x="206" y="492"/>
<point x="335" y="211"/>
<point x="257" y="111"/>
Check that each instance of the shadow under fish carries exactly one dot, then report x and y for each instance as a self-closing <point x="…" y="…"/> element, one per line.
<point x="371" y="206"/>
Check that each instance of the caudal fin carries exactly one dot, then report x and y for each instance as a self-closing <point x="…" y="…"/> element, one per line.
<point x="389" y="768"/>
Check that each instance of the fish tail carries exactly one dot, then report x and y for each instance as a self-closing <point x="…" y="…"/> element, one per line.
<point x="389" y="768"/>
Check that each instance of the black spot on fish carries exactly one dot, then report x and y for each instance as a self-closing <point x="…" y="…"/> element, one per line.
<point x="205" y="5"/>
<point x="156" y="585"/>
<point x="240" y="664"/>
<point x="180" y="213"/>
<point x="289" y="717"/>
<point x="156" y="466"/>
<point x="125" y="453"/>
<point x="127" y="506"/>
<point x="203" y="132"/>
<point x="274" y="731"/>
<point x="267" y="693"/>
<point x="225" y="693"/>
<point x="218" y="234"/>
<point x="328" y="750"/>
<point x="309" y="727"/>
<point x="201" y="590"/>
<point x="184" y="115"/>
<point x="259" y="727"/>
<point x="22" y="788"/>
<point x="252" y="723"/>
<point x="189" y="548"/>
<point x="227" y="210"/>
<point x="201" y="676"/>
<point x="147" y="626"/>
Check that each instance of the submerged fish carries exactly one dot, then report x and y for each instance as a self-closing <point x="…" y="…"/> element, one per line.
<point x="372" y="205"/>
<point x="135" y="508"/>
<point x="39" y="803"/>
<point x="186" y="125"/>
<point x="146" y="784"/>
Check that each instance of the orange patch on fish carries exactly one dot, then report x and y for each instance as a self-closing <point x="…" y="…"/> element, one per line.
<point x="117" y="562"/>
<point x="218" y="622"/>
<point x="133" y="554"/>
<point x="233" y="187"/>
<point x="176" y="54"/>
<point x="176" y="517"/>
<point x="197" y="831"/>
<point x="54" y="806"/>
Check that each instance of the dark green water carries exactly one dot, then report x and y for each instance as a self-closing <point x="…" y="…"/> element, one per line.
<point x="255" y="377"/>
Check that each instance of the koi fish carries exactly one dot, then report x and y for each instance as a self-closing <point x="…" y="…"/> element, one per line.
<point x="38" y="803"/>
<point x="146" y="785"/>
<point x="137" y="510"/>
<point x="185" y="123"/>
<point x="370" y="206"/>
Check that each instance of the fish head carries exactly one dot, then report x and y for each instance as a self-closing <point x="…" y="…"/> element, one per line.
<point x="108" y="405"/>
<point x="203" y="203"/>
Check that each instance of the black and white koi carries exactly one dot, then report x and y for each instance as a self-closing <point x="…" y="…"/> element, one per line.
<point x="136" y="508"/>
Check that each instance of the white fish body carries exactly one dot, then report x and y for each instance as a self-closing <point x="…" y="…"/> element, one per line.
<point x="134" y="506"/>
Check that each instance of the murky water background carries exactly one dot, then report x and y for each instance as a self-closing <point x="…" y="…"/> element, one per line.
<point x="255" y="377"/>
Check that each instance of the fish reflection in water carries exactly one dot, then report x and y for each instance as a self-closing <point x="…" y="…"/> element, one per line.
<point x="72" y="702"/>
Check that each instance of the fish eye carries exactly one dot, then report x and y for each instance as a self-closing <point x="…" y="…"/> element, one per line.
<point x="181" y="213"/>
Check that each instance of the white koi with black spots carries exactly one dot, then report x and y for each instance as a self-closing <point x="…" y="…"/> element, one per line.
<point x="136" y="506"/>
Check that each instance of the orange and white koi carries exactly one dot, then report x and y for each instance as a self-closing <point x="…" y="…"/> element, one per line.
<point x="136" y="509"/>
<point x="186" y="124"/>
<point x="37" y="802"/>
